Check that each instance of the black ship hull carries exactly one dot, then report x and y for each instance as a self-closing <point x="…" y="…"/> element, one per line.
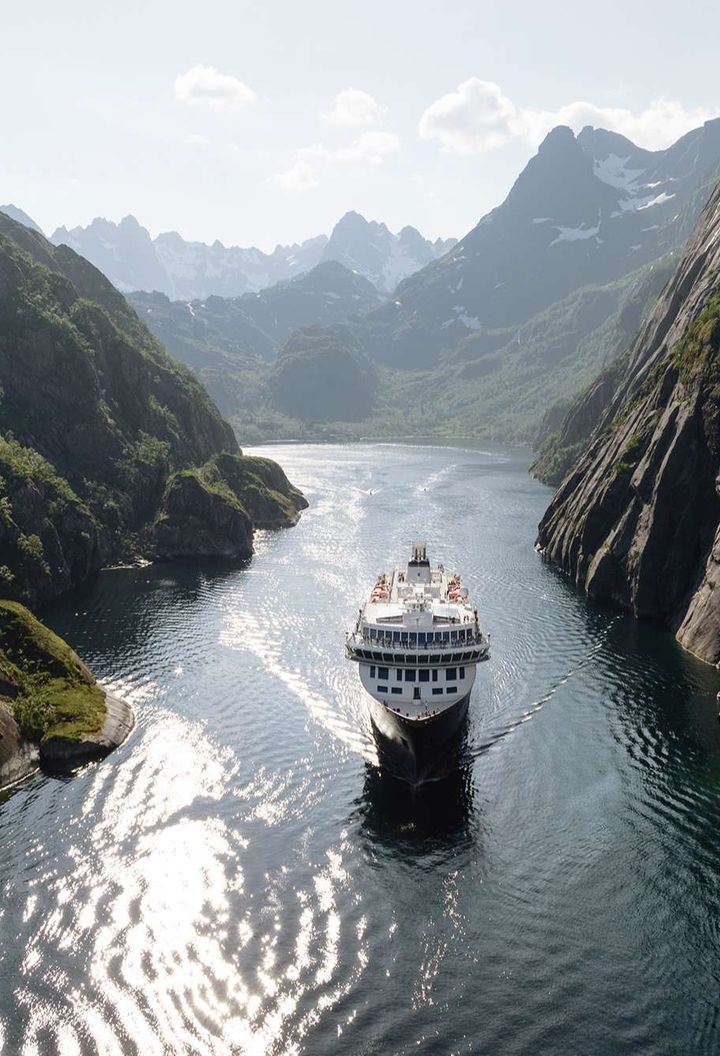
<point x="419" y="750"/>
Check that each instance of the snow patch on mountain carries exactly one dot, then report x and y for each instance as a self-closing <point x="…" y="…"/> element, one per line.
<point x="575" y="234"/>
<point x="613" y="171"/>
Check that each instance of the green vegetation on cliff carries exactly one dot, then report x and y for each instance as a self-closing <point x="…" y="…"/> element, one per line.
<point x="95" y="420"/>
<point x="212" y="509"/>
<point x="48" y="689"/>
<point x="696" y="353"/>
<point x="636" y="520"/>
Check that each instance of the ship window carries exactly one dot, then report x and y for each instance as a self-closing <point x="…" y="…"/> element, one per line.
<point x="452" y="689"/>
<point x="404" y="637"/>
<point x="373" y="633"/>
<point x="377" y="656"/>
<point x="446" y="636"/>
<point x="409" y="676"/>
<point x="398" y="675"/>
<point x="475" y="656"/>
<point x="422" y="659"/>
<point x="387" y="657"/>
<point x="421" y="638"/>
<point x="434" y="674"/>
<point x="416" y="694"/>
<point x="437" y="691"/>
<point x="382" y="689"/>
<point x="423" y="676"/>
<point x="450" y="674"/>
<point x="372" y="671"/>
<point x="413" y="639"/>
<point x="457" y="656"/>
<point x="399" y="658"/>
<point x="383" y="673"/>
<point x="396" y="689"/>
<point x="461" y="672"/>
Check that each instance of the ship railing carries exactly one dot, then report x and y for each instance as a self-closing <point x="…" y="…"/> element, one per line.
<point x="434" y="647"/>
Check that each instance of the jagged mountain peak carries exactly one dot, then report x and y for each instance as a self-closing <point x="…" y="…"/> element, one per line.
<point x="187" y="270"/>
<point x="598" y="143"/>
<point x="559" y="139"/>
<point x="585" y="210"/>
<point x="369" y="247"/>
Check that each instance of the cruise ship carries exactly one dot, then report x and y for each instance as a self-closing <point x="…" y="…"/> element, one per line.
<point x="417" y="642"/>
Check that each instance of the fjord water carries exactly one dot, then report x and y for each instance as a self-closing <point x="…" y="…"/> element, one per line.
<point x="238" y="878"/>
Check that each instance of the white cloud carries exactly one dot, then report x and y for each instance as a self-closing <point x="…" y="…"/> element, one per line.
<point x="298" y="178"/>
<point x="474" y="118"/>
<point x="371" y="148"/>
<point x="205" y="84"/>
<point x="354" y="108"/>
<point x="478" y="117"/>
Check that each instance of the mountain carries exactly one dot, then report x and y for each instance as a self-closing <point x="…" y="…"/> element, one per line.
<point x="105" y="441"/>
<point x="184" y="270"/>
<point x="586" y="210"/>
<point x="197" y="270"/>
<point x="220" y="336"/>
<point x="20" y="217"/>
<point x="637" y="519"/>
<point x="123" y="252"/>
<point x="372" y="250"/>
<point x="494" y="384"/>
<point x="326" y="380"/>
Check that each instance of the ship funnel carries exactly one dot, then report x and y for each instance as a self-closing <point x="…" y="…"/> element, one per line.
<point x="419" y="551"/>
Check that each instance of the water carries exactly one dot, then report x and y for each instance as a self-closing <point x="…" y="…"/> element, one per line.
<point x="237" y="878"/>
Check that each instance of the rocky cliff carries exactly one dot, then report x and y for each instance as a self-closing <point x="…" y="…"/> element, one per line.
<point x="95" y="419"/>
<point x="636" y="520"/>
<point x="212" y="511"/>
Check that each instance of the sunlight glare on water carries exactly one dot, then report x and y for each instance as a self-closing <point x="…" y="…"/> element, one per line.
<point x="240" y="878"/>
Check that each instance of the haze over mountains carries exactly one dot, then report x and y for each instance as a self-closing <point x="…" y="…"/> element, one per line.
<point x="587" y="209"/>
<point x="132" y="260"/>
<point x="524" y="311"/>
<point x="480" y="338"/>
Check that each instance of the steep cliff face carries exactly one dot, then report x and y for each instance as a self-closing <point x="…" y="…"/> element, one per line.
<point x="95" y="418"/>
<point x="214" y="509"/>
<point x="637" y="519"/>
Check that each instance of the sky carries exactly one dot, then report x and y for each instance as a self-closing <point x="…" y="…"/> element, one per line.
<point x="263" y="123"/>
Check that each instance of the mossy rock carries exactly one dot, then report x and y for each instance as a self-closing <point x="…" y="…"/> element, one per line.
<point x="49" y="690"/>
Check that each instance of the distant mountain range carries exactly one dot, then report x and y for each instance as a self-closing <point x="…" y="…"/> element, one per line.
<point x="183" y="270"/>
<point x="480" y="338"/>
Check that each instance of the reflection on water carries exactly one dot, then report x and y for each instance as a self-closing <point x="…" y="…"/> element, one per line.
<point x="404" y="818"/>
<point x="240" y="878"/>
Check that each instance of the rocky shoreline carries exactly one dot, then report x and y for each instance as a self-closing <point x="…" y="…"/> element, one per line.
<point x="20" y="758"/>
<point x="58" y="755"/>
